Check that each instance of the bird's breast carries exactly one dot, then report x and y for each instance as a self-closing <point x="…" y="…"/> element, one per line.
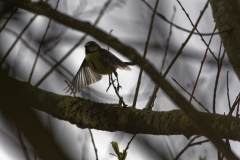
<point x="96" y="63"/>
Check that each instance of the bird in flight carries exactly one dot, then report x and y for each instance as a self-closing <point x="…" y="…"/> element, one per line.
<point x="97" y="62"/>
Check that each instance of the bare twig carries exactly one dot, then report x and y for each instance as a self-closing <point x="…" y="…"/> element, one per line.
<point x="229" y="103"/>
<point x="181" y="28"/>
<point x="192" y="96"/>
<point x="94" y="146"/>
<point x="40" y="46"/>
<point x="168" y="39"/>
<point x="237" y="115"/>
<point x="110" y="34"/>
<point x="111" y="82"/>
<point x="190" y="144"/>
<point x="186" y="41"/>
<point x="14" y="11"/>
<point x="15" y="42"/>
<point x="145" y="53"/>
<point x="116" y="90"/>
<point x="121" y="102"/>
<point x="129" y="142"/>
<point x="217" y="78"/>
<point x="71" y="88"/>
<point x="74" y="47"/>
<point x="197" y="29"/>
<point x="200" y="70"/>
<point x="236" y="102"/>
<point x="179" y="52"/>
<point x="35" y="51"/>
<point x="150" y="103"/>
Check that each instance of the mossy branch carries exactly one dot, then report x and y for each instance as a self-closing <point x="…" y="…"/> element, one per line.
<point x="111" y="117"/>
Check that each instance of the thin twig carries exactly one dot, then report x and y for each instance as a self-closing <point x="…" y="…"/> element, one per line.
<point x="200" y="142"/>
<point x="229" y="103"/>
<point x="129" y="142"/>
<point x="94" y="146"/>
<point x="74" y="47"/>
<point x="116" y="91"/>
<point x="192" y="96"/>
<point x="181" y="28"/>
<point x="15" y="42"/>
<point x="71" y="88"/>
<point x="150" y="103"/>
<point x="196" y="29"/>
<point x="202" y="62"/>
<point x="110" y="35"/>
<point x="217" y="78"/>
<point x="145" y="53"/>
<point x="40" y="46"/>
<point x="190" y="144"/>
<point x="179" y="52"/>
<point x="168" y="40"/>
<point x="14" y="11"/>
<point x="237" y="115"/>
<point x="186" y="41"/>
<point x="216" y="81"/>
<point x="236" y="102"/>
<point x="186" y="147"/>
<point x="43" y="58"/>
<point x="121" y="102"/>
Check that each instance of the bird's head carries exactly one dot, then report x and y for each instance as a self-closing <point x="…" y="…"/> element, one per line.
<point x="91" y="46"/>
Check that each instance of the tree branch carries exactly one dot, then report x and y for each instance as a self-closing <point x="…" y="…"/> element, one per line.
<point x="226" y="16"/>
<point x="111" y="117"/>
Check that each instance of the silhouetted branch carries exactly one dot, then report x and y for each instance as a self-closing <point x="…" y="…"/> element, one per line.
<point x="110" y="117"/>
<point x="145" y="53"/>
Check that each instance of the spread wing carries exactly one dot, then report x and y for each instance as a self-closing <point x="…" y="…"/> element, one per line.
<point x="112" y="60"/>
<point x="83" y="78"/>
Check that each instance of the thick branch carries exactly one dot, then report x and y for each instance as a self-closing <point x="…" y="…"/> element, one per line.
<point x="112" y="117"/>
<point x="226" y="15"/>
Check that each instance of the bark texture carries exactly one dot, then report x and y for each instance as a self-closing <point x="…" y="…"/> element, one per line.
<point x="111" y="117"/>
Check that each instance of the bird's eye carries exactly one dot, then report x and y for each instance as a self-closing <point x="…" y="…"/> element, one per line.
<point x="92" y="48"/>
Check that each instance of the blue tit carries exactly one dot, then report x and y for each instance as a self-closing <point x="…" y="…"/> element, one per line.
<point x="97" y="62"/>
